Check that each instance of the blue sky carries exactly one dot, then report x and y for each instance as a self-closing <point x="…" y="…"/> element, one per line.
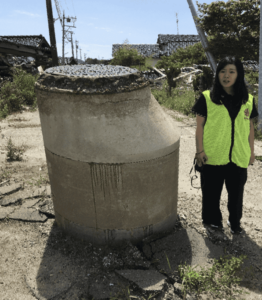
<point x="100" y="23"/>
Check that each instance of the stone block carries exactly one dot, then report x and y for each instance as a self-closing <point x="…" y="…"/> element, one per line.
<point x="29" y="203"/>
<point x="182" y="246"/>
<point x="5" y="211"/>
<point x="148" y="280"/>
<point x="28" y="214"/>
<point x="9" y="189"/>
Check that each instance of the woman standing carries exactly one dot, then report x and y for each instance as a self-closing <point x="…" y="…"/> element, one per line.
<point x="225" y="142"/>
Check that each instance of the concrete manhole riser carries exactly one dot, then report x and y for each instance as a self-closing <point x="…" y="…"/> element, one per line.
<point x="113" y="162"/>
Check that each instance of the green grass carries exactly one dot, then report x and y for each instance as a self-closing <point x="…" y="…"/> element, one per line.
<point x="221" y="280"/>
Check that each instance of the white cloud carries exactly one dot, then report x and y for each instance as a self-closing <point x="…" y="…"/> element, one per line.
<point x="27" y="13"/>
<point x="104" y="28"/>
<point x="96" y="45"/>
<point x="84" y="23"/>
<point x="121" y="31"/>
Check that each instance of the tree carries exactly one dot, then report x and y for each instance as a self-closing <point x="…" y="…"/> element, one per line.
<point x="203" y="38"/>
<point x="203" y="82"/>
<point x="233" y="27"/>
<point x="193" y="54"/>
<point x="173" y="71"/>
<point x="126" y="56"/>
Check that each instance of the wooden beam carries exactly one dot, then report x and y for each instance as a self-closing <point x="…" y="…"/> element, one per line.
<point x="22" y="50"/>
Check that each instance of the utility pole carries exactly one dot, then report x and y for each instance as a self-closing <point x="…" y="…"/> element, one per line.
<point x="203" y="39"/>
<point x="76" y="42"/>
<point x="52" y="33"/>
<point x="62" y="21"/>
<point x="63" y="40"/>
<point x="80" y="54"/>
<point x="177" y="23"/>
<point x="68" y="19"/>
<point x="72" y="44"/>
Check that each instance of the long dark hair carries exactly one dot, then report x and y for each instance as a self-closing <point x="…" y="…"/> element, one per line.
<point x="240" y="88"/>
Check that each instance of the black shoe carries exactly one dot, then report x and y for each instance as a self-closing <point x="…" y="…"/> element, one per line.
<point x="235" y="230"/>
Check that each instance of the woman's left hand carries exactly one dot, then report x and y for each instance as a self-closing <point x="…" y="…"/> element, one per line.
<point x="252" y="159"/>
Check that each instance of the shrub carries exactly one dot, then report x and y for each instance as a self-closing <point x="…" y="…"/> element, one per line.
<point x="20" y="91"/>
<point x="203" y="82"/>
<point x="173" y="71"/>
<point x="126" y="56"/>
<point x="193" y="54"/>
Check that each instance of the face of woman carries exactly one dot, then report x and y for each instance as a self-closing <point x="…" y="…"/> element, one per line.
<point x="227" y="77"/>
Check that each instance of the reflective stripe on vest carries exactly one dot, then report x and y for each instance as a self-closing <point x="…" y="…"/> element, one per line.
<point x="217" y="136"/>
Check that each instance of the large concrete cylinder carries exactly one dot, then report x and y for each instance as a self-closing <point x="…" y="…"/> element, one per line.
<point x="112" y="155"/>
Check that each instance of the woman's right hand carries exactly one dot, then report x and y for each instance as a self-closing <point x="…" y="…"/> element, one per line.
<point x="201" y="159"/>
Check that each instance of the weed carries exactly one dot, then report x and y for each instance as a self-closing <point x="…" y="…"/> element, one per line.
<point x="14" y="153"/>
<point x="20" y="91"/>
<point x="219" y="280"/>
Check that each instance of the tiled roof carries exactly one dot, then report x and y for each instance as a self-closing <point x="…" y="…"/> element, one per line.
<point x="168" y="38"/>
<point x="35" y="41"/>
<point x="166" y="44"/>
<point x="143" y="49"/>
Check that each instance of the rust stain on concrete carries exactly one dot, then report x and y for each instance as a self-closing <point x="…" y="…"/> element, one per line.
<point x="105" y="176"/>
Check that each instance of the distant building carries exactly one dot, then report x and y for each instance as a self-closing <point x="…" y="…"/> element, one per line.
<point x="76" y="61"/>
<point x="166" y="44"/>
<point x="33" y="46"/>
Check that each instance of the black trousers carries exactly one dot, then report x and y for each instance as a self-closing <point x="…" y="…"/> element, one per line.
<point x="212" y="181"/>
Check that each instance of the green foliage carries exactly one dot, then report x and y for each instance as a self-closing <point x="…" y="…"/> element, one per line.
<point x="24" y="82"/>
<point x="92" y="61"/>
<point x="252" y="77"/>
<point x="20" y="91"/>
<point x="172" y="72"/>
<point x="126" y="56"/>
<point x="203" y="82"/>
<point x="182" y="98"/>
<point x="193" y="54"/>
<point x="10" y="99"/>
<point x="95" y="61"/>
<point x="141" y="67"/>
<point x="221" y="279"/>
<point x="14" y="153"/>
<point x="233" y="27"/>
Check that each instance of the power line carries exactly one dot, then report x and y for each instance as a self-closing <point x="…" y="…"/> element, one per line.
<point x="66" y="5"/>
<point x="177" y="24"/>
<point x="73" y="7"/>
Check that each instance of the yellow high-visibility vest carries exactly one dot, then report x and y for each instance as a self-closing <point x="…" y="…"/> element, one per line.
<point x="224" y="140"/>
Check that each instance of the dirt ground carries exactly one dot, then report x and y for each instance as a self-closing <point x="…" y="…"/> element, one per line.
<point x="24" y="245"/>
